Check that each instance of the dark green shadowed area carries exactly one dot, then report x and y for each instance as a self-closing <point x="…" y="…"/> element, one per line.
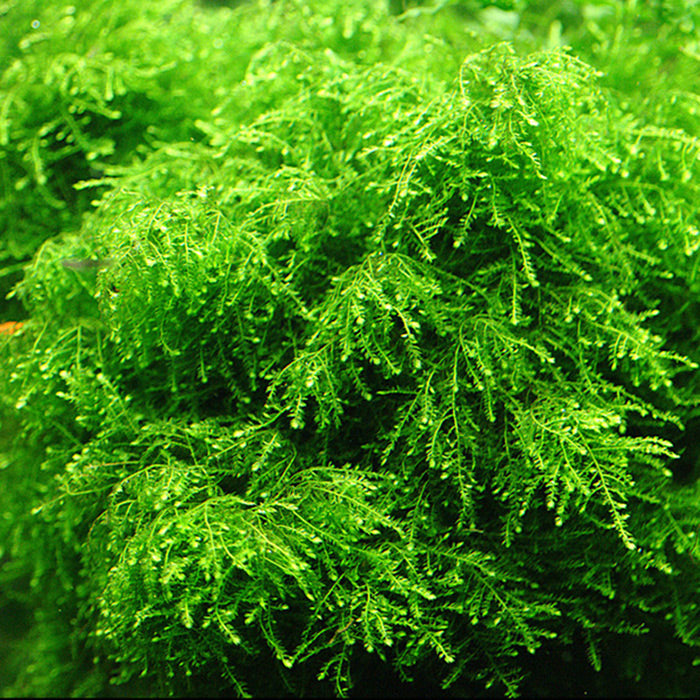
<point x="349" y="349"/>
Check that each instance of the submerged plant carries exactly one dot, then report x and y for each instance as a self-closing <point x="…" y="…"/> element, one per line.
<point x="380" y="367"/>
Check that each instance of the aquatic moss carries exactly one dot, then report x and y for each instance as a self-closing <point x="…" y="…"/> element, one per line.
<point x="378" y="366"/>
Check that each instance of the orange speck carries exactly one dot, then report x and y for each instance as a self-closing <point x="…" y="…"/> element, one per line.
<point x="10" y="327"/>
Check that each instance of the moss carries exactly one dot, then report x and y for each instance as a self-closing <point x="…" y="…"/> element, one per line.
<point x="368" y="352"/>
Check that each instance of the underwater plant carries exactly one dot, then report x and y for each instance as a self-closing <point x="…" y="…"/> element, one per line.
<point x="385" y="360"/>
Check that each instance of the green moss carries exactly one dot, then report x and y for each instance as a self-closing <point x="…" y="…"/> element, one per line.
<point x="389" y="364"/>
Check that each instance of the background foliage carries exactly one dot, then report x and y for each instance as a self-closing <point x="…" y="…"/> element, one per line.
<point x="359" y="343"/>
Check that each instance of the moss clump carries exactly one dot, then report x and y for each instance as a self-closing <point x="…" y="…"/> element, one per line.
<point x="392" y="363"/>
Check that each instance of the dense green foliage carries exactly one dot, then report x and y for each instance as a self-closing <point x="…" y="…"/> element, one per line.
<point x="389" y="359"/>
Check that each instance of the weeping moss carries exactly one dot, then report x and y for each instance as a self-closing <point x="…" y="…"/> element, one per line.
<point x="375" y="362"/>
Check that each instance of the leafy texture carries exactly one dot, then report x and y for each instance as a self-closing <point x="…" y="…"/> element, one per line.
<point x="383" y="354"/>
